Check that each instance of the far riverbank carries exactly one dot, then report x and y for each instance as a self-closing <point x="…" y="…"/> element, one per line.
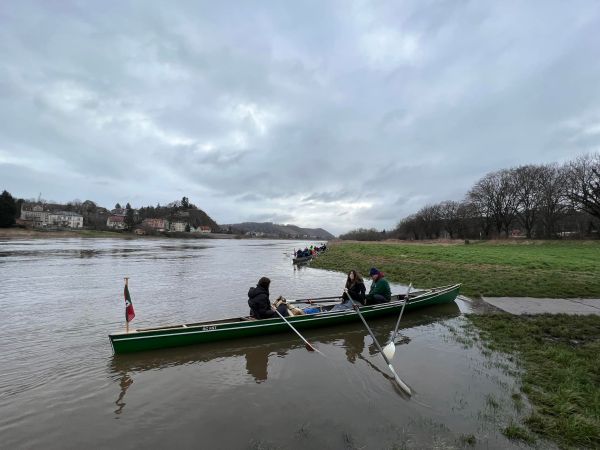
<point x="23" y="233"/>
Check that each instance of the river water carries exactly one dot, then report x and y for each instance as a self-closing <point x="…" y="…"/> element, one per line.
<point x="62" y="387"/>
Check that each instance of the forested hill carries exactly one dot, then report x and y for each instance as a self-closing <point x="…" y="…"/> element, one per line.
<point x="282" y="231"/>
<point x="175" y="212"/>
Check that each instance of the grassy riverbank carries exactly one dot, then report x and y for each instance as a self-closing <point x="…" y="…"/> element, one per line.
<point x="560" y="356"/>
<point x="490" y="268"/>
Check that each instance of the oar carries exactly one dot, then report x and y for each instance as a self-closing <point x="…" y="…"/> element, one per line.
<point x="390" y="349"/>
<point x="404" y="387"/>
<point x="308" y="300"/>
<point x="307" y="344"/>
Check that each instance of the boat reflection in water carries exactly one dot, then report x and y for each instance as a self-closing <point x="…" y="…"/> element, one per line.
<point x="259" y="350"/>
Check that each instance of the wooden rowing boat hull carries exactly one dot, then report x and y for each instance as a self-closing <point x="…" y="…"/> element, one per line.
<point x="301" y="260"/>
<point x="237" y="328"/>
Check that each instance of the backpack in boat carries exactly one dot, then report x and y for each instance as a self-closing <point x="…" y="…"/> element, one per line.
<point x="292" y="310"/>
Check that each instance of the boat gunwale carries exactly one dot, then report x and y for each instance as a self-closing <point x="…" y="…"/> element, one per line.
<point x="224" y="324"/>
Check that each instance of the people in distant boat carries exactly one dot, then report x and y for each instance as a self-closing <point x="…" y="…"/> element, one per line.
<point x="313" y="250"/>
<point x="303" y="253"/>
<point x="380" y="289"/>
<point x="355" y="287"/>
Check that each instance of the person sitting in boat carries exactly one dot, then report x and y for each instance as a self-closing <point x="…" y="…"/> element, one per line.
<point x="380" y="289"/>
<point x="355" y="287"/>
<point x="258" y="301"/>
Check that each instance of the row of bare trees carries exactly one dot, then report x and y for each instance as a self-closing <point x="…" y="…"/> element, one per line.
<point x="538" y="200"/>
<point x="364" y="234"/>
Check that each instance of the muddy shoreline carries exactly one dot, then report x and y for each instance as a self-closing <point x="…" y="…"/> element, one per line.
<point x="26" y="233"/>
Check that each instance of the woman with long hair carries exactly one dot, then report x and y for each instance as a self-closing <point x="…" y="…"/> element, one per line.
<point x="355" y="287"/>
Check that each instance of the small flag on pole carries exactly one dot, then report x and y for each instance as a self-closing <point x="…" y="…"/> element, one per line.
<point x="129" y="312"/>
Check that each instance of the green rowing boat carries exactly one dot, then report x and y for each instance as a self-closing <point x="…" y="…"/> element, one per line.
<point x="302" y="259"/>
<point x="244" y="327"/>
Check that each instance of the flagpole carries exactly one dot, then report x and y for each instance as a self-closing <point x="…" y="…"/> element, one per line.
<point x="126" y="321"/>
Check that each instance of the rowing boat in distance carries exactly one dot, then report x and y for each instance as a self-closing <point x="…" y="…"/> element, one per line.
<point x="301" y="259"/>
<point x="245" y="327"/>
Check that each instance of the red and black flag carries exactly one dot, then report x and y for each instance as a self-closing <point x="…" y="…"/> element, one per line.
<point x="129" y="312"/>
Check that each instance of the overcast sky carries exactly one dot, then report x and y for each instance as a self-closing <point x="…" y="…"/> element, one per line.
<point x="324" y="114"/>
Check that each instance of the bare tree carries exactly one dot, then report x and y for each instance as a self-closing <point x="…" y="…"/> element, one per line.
<point x="73" y="205"/>
<point x="583" y="184"/>
<point x="552" y="197"/>
<point x="450" y="216"/>
<point x="408" y="228"/>
<point x="364" y="234"/>
<point x="429" y="220"/>
<point x="481" y="212"/>
<point x="470" y="223"/>
<point x="495" y="195"/>
<point x="527" y="181"/>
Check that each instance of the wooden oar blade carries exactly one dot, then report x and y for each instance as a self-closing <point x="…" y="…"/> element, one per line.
<point x="307" y="344"/>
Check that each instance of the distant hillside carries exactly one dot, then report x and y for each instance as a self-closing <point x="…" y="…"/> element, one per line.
<point x="282" y="231"/>
<point x="198" y="217"/>
<point x="174" y="212"/>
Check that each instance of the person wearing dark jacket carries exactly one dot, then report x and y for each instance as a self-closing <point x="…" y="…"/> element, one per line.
<point x="380" y="289"/>
<point x="259" y="303"/>
<point x="355" y="287"/>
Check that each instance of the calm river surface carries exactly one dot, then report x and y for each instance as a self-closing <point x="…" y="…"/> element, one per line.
<point x="62" y="387"/>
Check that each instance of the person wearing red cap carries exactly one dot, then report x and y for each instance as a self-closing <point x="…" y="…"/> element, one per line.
<point x="380" y="289"/>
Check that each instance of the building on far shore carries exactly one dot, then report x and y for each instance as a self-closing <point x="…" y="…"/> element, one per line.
<point x="37" y="216"/>
<point x="34" y="215"/>
<point x="178" y="226"/>
<point x="156" y="224"/>
<point x="116" y="222"/>
<point x="66" y="219"/>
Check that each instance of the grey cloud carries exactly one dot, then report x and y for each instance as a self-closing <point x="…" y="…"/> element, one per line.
<point x="250" y="197"/>
<point x="326" y="197"/>
<point x="273" y="217"/>
<point x="255" y="109"/>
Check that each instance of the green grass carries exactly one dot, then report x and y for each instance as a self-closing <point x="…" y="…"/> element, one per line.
<point x="516" y="432"/>
<point x="560" y="355"/>
<point x="496" y="268"/>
